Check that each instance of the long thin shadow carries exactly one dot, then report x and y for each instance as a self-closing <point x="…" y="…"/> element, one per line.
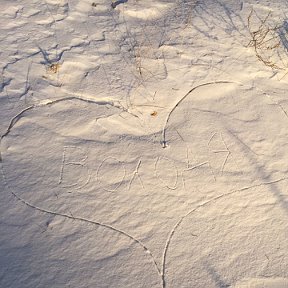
<point x="253" y="160"/>
<point x="218" y="280"/>
<point x="283" y="34"/>
<point x="263" y="174"/>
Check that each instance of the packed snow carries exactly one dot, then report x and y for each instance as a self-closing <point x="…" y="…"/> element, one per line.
<point x="144" y="144"/>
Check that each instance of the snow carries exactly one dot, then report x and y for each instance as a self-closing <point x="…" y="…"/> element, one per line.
<point x="143" y="145"/>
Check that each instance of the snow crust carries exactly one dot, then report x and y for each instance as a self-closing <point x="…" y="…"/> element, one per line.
<point x="143" y="144"/>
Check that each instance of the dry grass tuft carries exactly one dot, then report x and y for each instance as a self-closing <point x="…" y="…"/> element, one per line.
<point x="268" y="40"/>
<point x="53" y="68"/>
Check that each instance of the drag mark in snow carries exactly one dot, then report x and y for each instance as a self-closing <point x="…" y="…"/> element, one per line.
<point x="121" y="180"/>
<point x="136" y="174"/>
<point x="13" y="121"/>
<point x="164" y="140"/>
<point x="157" y="173"/>
<point x="179" y="222"/>
<point x="18" y="116"/>
<point x="67" y="153"/>
<point x="226" y="150"/>
<point x="196" y="166"/>
<point x="66" y="162"/>
<point x="135" y="240"/>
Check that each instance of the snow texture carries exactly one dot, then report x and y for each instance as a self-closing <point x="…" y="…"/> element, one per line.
<point x="143" y="144"/>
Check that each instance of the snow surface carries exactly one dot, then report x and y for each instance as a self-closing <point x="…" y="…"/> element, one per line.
<point x="144" y="145"/>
